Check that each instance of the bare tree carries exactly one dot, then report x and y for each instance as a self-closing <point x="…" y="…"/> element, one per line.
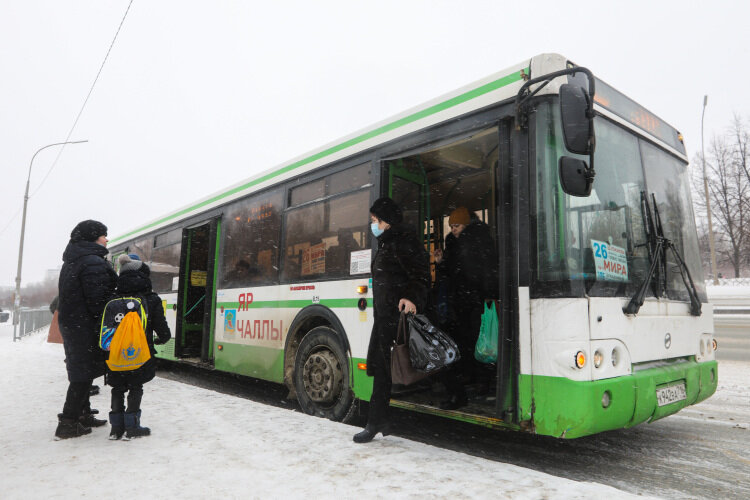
<point x="32" y="294"/>
<point x="741" y="145"/>
<point x="729" y="194"/>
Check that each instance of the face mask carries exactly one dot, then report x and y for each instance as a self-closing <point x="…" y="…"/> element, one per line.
<point x="375" y="229"/>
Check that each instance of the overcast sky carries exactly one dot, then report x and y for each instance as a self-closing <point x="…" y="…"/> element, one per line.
<point x="196" y="96"/>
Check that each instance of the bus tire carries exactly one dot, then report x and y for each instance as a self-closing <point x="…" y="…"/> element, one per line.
<point x="321" y="376"/>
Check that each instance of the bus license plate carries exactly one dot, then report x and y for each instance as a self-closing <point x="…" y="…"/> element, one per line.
<point x="671" y="394"/>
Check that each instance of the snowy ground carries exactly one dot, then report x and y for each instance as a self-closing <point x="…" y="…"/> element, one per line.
<point x="207" y="444"/>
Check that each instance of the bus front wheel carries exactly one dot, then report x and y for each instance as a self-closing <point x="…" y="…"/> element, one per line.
<point x="321" y="376"/>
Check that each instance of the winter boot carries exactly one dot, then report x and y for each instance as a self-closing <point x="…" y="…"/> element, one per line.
<point x="69" y="428"/>
<point x="118" y="425"/>
<point x="133" y="427"/>
<point x="370" y="431"/>
<point x="88" y="419"/>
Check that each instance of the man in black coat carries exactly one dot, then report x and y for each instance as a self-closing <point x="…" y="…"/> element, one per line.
<point x="87" y="282"/>
<point x="470" y="263"/>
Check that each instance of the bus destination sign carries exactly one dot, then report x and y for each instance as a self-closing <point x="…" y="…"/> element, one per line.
<point x="636" y="114"/>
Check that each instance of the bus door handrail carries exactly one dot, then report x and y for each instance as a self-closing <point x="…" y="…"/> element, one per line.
<point x="194" y="306"/>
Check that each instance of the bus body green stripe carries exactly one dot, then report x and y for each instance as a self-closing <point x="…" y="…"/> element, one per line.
<point x="253" y="361"/>
<point x="459" y="99"/>
<point x="361" y="382"/>
<point x="296" y="304"/>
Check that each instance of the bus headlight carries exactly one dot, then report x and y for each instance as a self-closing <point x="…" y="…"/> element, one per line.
<point x="606" y="399"/>
<point x="714" y="344"/>
<point x="580" y="359"/>
<point x="615" y="357"/>
<point x="598" y="358"/>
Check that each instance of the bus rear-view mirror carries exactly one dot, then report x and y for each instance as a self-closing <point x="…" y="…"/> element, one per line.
<point x="577" y="121"/>
<point x="574" y="177"/>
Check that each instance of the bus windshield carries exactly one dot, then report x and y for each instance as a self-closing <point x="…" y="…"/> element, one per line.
<point x="597" y="245"/>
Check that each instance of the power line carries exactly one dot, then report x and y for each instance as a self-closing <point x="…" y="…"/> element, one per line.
<point x="91" y="90"/>
<point x="12" y="219"/>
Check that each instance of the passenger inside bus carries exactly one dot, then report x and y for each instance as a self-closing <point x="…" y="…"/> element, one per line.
<point x="469" y="265"/>
<point x="241" y="274"/>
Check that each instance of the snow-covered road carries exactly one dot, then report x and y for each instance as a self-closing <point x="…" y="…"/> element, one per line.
<point x="207" y="444"/>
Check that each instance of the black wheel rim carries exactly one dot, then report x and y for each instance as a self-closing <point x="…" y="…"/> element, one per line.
<point x="322" y="376"/>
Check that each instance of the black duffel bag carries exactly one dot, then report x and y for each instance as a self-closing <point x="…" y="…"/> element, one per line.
<point x="430" y="349"/>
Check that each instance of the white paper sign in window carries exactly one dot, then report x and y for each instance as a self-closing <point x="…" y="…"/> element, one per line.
<point x="610" y="260"/>
<point x="360" y="262"/>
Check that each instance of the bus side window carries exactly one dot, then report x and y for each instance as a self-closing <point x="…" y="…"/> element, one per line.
<point x="251" y="231"/>
<point x="320" y="236"/>
<point x="338" y="255"/>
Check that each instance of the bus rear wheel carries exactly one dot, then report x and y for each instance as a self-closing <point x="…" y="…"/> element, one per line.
<point x="321" y="376"/>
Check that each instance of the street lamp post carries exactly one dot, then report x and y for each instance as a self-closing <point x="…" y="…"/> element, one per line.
<point x="711" y="242"/>
<point x="17" y="300"/>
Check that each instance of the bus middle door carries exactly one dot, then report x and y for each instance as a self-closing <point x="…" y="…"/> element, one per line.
<point x="197" y="293"/>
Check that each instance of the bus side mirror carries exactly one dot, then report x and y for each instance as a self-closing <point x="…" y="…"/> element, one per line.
<point x="575" y="177"/>
<point x="577" y="119"/>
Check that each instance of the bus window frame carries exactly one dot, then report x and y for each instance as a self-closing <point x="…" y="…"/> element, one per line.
<point x="283" y="193"/>
<point x="289" y="209"/>
<point x="511" y="253"/>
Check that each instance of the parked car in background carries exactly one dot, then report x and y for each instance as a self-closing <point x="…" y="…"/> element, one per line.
<point x="4" y="315"/>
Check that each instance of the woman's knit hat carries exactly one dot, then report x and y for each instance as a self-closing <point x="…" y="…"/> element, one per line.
<point x="386" y="210"/>
<point x="88" y="230"/>
<point x="459" y="216"/>
<point x="129" y="262"/>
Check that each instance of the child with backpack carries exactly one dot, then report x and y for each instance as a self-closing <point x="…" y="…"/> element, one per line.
<point x="135" y="282"/>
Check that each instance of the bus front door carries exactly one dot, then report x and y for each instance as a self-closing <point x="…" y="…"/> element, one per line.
<point x="429" y="184"/>
<point x="197" y="293"/>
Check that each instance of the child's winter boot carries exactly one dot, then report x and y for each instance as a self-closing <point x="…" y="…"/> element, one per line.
<point x="133" y="427"/>
<point x="117" y="419"/>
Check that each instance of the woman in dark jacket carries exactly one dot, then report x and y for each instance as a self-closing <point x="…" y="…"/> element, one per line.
<point x="400" y="282"/>
<point x="87" y="282"/>
<point x="470" y="263"/>
<point x="135" y="281"/>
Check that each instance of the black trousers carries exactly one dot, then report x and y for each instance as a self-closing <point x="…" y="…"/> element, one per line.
<point x="465" y="333"/>
<point x="135" y="394"/>
<point x="77" y="399"/>
<point x="381" y="392"/>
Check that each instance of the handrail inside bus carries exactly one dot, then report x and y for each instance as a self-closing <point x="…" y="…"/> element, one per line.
<point x="194" y="306"/>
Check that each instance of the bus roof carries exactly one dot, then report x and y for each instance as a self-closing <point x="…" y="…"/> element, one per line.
<point x="490" y="90"/>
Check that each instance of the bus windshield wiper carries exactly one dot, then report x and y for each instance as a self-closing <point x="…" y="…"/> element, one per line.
<point x="658" y="245"/>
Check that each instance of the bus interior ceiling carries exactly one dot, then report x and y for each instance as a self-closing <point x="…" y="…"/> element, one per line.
<point x="459" y="173"/>
<point x="429" y="185"/>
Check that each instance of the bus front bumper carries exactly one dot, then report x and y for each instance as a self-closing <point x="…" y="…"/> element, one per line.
<point x="565" y="408"/>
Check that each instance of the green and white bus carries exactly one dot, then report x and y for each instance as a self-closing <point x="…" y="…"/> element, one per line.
<point x="604" y="321"/>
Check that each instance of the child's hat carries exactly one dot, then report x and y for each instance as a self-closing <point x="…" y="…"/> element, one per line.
<point x="129" y="262"/>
